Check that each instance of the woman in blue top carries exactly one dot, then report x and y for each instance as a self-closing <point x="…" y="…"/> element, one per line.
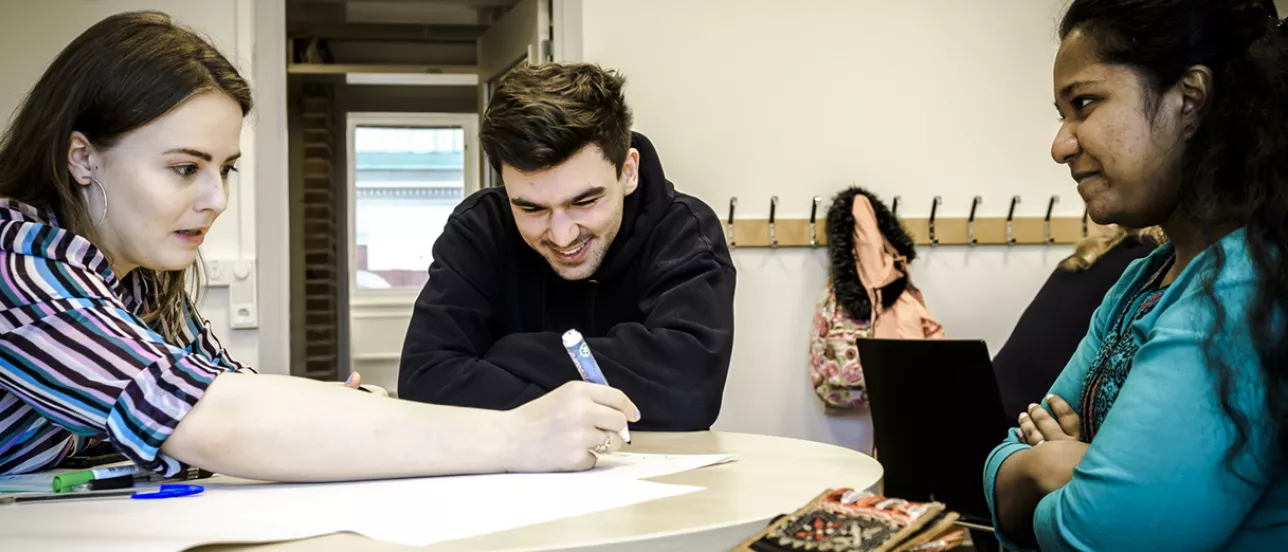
<point x="1168" y="428"/>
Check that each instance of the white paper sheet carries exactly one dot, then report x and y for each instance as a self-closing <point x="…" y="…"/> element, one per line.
<point x="111" y="525"/>
<point x="643" y="466"/>
<point x="415" y="512"/>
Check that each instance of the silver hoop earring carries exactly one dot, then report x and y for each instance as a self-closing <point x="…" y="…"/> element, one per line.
<point x="103" y="191"/>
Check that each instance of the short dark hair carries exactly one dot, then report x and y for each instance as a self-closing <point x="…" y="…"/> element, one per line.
<point x="543" y="114"/>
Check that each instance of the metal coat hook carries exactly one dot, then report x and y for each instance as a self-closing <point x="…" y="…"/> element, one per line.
<point x="894" y="209"/>
<point x="934" y="207"/>
<point x="970" y="223"/>
<point x="813" y="224"/>
<point x="773" y="237"/>
<point x="1010" y="221"/>
<point x="1084" y="223"/>
<point x="733" y="203"/>
<point x="1046" y="224"/>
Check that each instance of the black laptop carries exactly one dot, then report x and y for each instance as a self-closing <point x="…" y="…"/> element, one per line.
<point x="936" y="415"/>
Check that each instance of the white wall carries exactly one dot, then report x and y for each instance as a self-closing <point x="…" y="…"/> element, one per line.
<point x="798" y="98"/>
<point x="272" y="192"/>
<point x="33" y="33"/>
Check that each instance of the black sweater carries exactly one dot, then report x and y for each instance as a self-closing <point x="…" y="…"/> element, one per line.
<point x="1050" y="329"/>
<point x="657" y="315"/>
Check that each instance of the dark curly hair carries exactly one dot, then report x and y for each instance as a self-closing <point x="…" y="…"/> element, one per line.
<point x="1235" y="166"/>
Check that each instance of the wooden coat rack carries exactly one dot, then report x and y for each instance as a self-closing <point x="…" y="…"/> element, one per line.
<point x="812" y="232"/>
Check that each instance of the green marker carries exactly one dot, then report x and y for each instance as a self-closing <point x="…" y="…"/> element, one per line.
<point x="64" y="482"/>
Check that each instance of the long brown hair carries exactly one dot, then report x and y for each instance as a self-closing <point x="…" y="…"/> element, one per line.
<point x="119" y="75"/>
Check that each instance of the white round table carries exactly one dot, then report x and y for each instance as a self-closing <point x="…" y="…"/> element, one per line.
<point x="770" y="476"/>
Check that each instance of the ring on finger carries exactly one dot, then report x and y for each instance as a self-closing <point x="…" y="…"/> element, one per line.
<point x="604" y="447"/>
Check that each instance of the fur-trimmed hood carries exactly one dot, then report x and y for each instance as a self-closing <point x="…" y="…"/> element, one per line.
<point x="840" y="245"/>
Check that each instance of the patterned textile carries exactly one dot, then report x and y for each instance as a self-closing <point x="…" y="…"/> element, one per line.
<point x="835" y="372"/>
<point x="1109" y="371"/>
<point x="847" y="520"/>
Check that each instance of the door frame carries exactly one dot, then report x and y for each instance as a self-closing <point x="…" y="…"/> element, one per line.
<point x="565" y="30"/>
<point x="522" y="35"/>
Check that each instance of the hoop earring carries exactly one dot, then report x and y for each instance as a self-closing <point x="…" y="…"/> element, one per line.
<point x="103" y="191"/>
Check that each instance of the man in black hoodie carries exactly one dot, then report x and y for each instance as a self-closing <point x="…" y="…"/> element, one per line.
<point x="586" y="234"/>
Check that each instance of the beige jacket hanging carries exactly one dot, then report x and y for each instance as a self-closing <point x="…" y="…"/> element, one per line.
<point x="880" y="264"/>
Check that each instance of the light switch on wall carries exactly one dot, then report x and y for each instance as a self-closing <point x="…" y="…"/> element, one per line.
<point x="218" y="273"/>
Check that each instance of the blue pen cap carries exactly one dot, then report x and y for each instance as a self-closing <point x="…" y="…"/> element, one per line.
<point x="170" y="491"/>
<point x="571" y="339"/>
<point x="581" y="357"/>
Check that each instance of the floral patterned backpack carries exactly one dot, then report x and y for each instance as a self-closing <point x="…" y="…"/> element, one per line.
<point x="869" y="294"/>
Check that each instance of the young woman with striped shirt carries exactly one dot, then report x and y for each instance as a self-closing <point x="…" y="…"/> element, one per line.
<point x="111" y="173"/>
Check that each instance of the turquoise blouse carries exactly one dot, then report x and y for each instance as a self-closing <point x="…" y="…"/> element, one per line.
<point x="1154" y="476"/>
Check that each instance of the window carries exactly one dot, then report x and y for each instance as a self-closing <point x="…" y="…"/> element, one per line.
<point x="407" y="178"/>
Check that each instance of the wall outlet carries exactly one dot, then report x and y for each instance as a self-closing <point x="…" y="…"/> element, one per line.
<point x="243" y="307"/>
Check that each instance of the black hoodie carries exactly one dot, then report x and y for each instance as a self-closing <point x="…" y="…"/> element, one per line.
<point x="657" y="314"/>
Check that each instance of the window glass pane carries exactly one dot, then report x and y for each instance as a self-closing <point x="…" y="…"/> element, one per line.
<point x="408" y="181"/>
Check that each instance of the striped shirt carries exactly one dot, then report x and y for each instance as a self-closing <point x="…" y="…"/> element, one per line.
<point x="77" y="363"/>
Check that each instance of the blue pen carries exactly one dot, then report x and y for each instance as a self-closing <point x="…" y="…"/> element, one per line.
<point x="587" y="366"/>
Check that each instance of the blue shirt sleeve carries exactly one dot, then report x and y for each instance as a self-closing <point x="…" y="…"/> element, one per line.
<point x="1155" y="476"/>
<point x="1067" y="386"/>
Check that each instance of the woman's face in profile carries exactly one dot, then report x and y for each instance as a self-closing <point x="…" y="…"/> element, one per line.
<point x="165" y="183"/>
<point x="1123" y="146"/>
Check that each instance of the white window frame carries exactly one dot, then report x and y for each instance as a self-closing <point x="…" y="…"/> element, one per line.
<point x="467" y="121"/>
